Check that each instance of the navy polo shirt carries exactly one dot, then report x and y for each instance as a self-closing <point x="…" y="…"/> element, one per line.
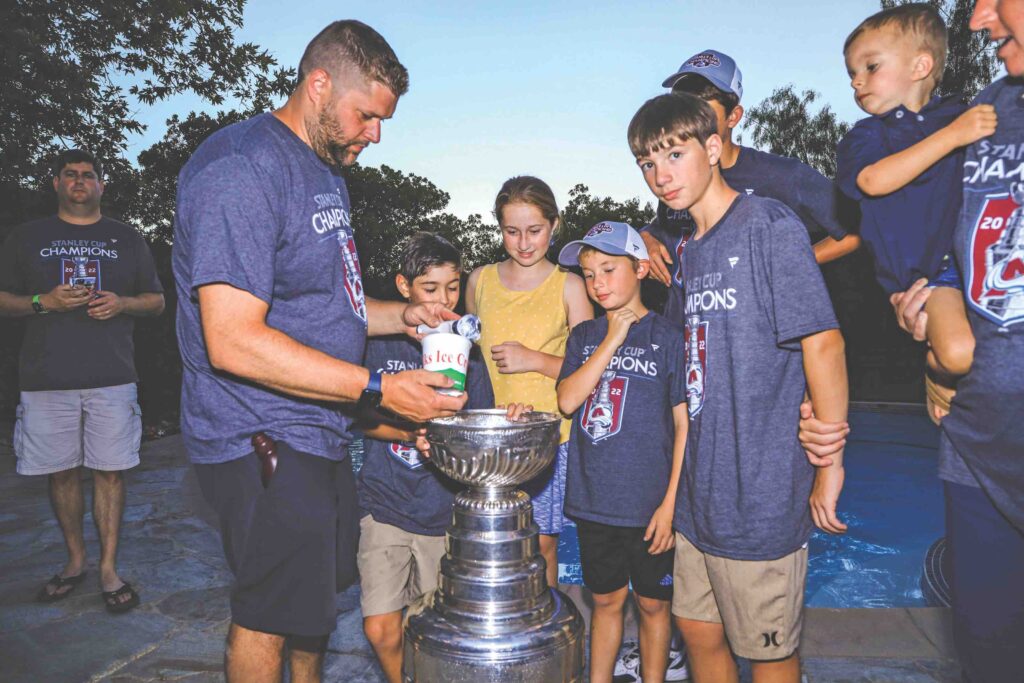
<point x="910" y="230"/>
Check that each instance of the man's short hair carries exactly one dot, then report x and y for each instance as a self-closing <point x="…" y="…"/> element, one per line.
<point x="918" y="20"/>
<point x="670" y="119"/>
<point x="76" y="156"/>
<point x="425" y="250"/>
<point x="698" y="86"/>
<point x="352" y="44"/>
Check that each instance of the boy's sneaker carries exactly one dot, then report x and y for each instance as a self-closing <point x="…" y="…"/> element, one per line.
<point x="627" y="668"/>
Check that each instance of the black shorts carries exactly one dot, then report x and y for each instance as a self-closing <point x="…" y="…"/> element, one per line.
<point x="614" y="556"/>
<point x="290" y="545"/>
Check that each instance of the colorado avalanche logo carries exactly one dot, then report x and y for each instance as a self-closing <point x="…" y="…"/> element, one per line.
<point x="599" y="229"/>
<point x="696" y="363"/>
<point x="408" y="455"/>
<point x="703" y="60"/>
<point x="353" y="274"/>
<point x="678" y="275"/>
<point x="995" y="274"/>
<point x="601" y="416"/>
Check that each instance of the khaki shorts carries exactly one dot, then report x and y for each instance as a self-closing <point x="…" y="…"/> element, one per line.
<point x="759" y="602"/>
<point x="395" y="566"/>
<point x="59" y="430"/>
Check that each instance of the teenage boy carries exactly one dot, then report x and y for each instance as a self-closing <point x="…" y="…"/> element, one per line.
<point x="904" y="165"/>
<point x="405" y="502"/>
<point x="714" y="77"/>
<point x="760" y="331"/>
<point x="622" y="380"/>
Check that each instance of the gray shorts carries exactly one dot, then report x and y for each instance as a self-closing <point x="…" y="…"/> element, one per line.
<point x="59" y="430"/>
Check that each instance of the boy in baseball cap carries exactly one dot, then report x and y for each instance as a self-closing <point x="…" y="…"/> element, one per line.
<point x="622" y="380"/>
<point x="715" y="78"/>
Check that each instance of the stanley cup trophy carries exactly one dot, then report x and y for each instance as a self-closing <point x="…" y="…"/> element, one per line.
<point x="493" y="617"/>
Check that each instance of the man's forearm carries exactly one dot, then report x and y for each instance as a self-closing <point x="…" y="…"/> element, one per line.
<point x="825" y="368"/>
<point x="384" y="317"/>
<point x="15" y="305"/>
<point x="146" y="304"/>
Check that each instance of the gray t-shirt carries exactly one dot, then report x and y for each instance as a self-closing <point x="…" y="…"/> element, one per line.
<point x="71" y="350"/>
<point x="620" y="447"/>
<point x="752" y="291"/>
<point x="985" y="426"/>
<point x="258" y="210"/>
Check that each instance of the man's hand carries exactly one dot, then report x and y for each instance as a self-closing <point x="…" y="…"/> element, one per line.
<point x="659" y="257"/>
<point x="512" y="357"/>
<point x="828" y="483"/>
<point x="660" y="529"/>
<point x="820" y="439"/>
<point x="619" y="323"/>
<point x="974" y="124"/>
<point x="64" y="298"/>
<point x="909" y="307"/>
<point x="430" y="314"/>
<point x="105" y="305"/>
<point x="411" y="395"/>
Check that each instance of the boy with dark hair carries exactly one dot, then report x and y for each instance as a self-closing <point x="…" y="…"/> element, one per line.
<point x="760" y="330"/>
<point x="405" y="502"/>
<point x="714" y="77"/>
<point x="904" y="164"/>
<point x="622" y="379"/>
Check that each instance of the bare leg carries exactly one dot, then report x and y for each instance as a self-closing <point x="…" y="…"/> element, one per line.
<point x="606" y="633"/>
<point x="384" y="631"/>
<point x="708" y="652"/>
<point x="69" y="508"/>
<point x="949" y="333"/>
<point x="107" y="510"/>
<point x="781" y="671"/>
<point x="655" y="634"/>
<point x="306" y="659"/>
<point x="549" y="549"/>
<point x="253" y="656"/>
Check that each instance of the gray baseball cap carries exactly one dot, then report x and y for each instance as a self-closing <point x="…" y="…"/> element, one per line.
<point x="617" y="239"/>
<point x="717" y="67"/>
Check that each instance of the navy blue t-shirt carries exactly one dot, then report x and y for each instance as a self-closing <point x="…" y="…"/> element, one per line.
<point x="258" y="210"/>
<point x="753" y="291"/>
<point x="908" y="231"/>
<point x="620" y="447"/>
<point x="396" y="484"/>
<point x="984" y="424"/>
<point x="813" y="197"/>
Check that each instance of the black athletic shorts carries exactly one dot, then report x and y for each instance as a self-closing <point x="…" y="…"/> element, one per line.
<point x="614" y="556"/>
<point x="290" y="545"/>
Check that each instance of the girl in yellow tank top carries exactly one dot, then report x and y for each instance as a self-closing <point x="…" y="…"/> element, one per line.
<point x="526" y="306"/>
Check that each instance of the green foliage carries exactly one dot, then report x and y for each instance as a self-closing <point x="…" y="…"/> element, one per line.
<point x="785" y="124"/>
<point x="971" y="63"/>
<point x="584" y="211"/>
<point x="77" y="73"/>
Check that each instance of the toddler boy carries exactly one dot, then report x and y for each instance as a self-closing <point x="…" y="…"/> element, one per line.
<point x="622" y="380"/>
<point x="760" y="330"/>
<point x="904" y="165"/>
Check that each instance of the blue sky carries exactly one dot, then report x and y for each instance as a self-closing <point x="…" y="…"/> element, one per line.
<point x="499" y="89"/>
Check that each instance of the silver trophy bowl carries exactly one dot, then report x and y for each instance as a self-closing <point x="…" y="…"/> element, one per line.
<point x="493" y="617"/>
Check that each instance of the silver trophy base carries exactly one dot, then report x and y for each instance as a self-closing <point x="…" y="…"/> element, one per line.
<point x="436" y="651"/>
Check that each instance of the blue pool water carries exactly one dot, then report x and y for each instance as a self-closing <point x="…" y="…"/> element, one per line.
<point x="892" y="502"/>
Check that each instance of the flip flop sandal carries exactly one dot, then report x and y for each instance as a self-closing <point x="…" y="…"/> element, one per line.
<point x="58" y="582"/>
<point x="113" y="602"/>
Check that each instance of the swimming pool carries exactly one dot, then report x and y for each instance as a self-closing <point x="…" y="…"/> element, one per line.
<point x="892" y="502"/>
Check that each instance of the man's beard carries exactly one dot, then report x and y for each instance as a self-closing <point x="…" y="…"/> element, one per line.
<point x="328" y="139"/>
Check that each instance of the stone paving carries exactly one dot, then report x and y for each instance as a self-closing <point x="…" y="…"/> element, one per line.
<point x="172" y="555"/>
